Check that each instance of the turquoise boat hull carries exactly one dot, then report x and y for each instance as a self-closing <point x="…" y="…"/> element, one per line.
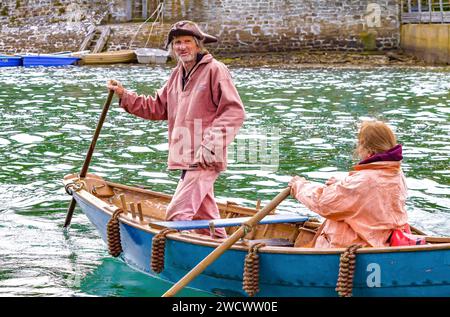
<point x="285" y="272"/>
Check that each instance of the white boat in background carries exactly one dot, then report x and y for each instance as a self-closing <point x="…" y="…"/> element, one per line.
<point x="151" y="55"/>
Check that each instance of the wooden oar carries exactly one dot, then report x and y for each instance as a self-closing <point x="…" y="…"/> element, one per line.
<point x="87" y="161"/>
<point x="227" y="243"/>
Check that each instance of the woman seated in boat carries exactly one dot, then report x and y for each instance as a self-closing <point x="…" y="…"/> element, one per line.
<point x="369" y="204"/>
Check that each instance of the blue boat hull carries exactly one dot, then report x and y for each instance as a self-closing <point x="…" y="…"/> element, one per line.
<point x="48" y="60"/>
<point x="10" y="61"/>
<point x="301" y="274"/>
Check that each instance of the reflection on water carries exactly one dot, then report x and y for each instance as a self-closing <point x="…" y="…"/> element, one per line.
<point x="49" y="114"/>
<point x="114" y="278"/>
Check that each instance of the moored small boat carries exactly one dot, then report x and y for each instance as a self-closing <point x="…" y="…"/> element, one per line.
<point x="151" y="56"/>
<point x="10" y="61"/>
<point x="286" y="265"/>
<point x="114" y="57"/>
<point x="33" y="60"/>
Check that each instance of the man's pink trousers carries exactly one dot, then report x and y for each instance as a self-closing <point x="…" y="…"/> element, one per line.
<point x="194" y="200"/>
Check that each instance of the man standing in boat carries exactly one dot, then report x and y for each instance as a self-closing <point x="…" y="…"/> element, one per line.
<point x="204" y="113"/>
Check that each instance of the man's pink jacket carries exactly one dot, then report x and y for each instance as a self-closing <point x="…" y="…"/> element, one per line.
<point x="208" y="112"/>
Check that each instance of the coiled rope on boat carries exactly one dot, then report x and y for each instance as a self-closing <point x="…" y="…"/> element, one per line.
<point x="344" y="285"/>
<point x="113" y="234"/>
<point x="250" y="282"/>
<point x="158" y="250"/>
<point x="74" y="186"/>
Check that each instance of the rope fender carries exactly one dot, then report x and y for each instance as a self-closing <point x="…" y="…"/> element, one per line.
<point x="158" y="250"/>
<point x="250" y="281"/>
<point x="113" y="234"/>
<point x="344" y="285"/>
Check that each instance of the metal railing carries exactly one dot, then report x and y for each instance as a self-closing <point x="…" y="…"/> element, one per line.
<point x="425" y="11"/>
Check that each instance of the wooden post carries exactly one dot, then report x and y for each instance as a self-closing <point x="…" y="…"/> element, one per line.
<point x="144" y="9"/>
<point x="141" y="215"/>
<point x="133" y="210"/>
<point x="128" y="10"/>
<point x="124" y="203"/>
<point x="419" y="8"/>
<point x="212" y="230"/>
<point x="430" y="9"/>
<point x="442" y="11"/>
<point x="266" y="227"/>
<point x="401" y="11"/>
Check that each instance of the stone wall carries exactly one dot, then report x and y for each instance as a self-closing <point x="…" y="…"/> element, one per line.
<point x="241" y="25"/>
<point x="31" y="26"/>
<point x="39" y="39"/>
<point x="274" y="25"/>
<point x="41" y="12"/>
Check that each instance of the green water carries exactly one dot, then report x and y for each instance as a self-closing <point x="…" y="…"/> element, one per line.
<point x="48" y="116"/>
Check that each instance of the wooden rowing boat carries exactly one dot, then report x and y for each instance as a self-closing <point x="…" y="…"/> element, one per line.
<point x="114" y="57"/>
<point x="287" y="267"/>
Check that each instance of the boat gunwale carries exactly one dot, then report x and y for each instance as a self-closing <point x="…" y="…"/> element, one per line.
<point x="177" y="236"/>
<point x="114" y="53"/>
<point x="10" y="57"/>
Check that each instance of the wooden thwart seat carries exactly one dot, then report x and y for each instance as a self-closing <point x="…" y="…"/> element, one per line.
<point x="275" y="242"/>
<point x="229" y="222"/>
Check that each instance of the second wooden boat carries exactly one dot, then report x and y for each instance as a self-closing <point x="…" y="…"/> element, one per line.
<point x="115" y="57"/>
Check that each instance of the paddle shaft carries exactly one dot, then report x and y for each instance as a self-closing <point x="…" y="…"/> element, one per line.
<point x="88" y="158"/>
<point x="199" y="268"/>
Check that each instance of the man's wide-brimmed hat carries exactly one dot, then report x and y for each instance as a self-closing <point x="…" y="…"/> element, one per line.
<point x="188" y="28"/>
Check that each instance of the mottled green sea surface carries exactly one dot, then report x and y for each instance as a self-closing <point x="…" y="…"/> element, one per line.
<point x="298" y="122"/>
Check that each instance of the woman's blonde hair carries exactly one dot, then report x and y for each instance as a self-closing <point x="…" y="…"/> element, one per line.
<point x="376" y="137"/>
